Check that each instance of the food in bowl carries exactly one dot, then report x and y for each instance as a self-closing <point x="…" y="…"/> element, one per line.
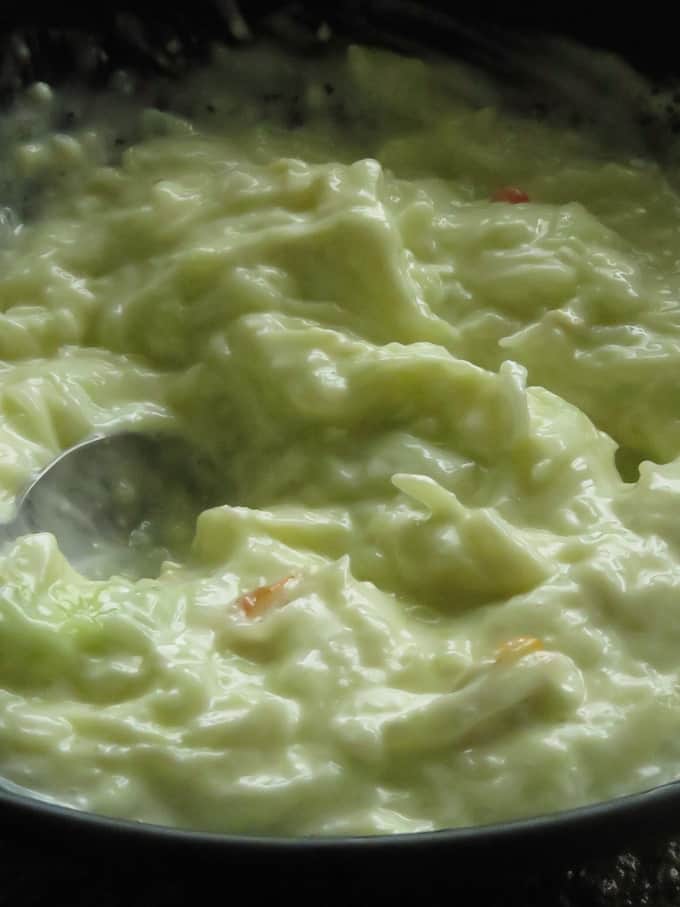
<point x="433" y="346"/>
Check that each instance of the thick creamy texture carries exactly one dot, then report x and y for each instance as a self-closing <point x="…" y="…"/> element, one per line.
<point x="419" y="399"/>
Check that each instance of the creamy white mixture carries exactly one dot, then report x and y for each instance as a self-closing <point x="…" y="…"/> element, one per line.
<point x="440" y="593"/>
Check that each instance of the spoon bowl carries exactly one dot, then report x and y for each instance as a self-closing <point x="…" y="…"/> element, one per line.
<point x="119" y="504"/>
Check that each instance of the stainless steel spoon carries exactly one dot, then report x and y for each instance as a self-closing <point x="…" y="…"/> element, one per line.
<point x="119" y="504"/>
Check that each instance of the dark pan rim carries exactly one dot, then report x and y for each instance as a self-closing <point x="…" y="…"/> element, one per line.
<point x="655" y="811"/>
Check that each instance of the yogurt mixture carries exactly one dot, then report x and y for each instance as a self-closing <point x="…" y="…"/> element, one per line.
<point x="442" y="586"/>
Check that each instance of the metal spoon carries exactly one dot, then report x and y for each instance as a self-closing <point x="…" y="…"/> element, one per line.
<point x="119" y="504"/>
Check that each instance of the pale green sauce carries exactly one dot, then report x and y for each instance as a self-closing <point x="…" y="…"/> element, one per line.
<point x="416" y="396"/>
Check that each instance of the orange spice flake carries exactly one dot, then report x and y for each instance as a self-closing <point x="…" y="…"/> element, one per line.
<point x="516" y="648"/>
<point x="260" y="600"/>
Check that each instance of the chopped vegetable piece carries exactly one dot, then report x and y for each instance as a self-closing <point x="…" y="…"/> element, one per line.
<point x="510" y="194"/>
